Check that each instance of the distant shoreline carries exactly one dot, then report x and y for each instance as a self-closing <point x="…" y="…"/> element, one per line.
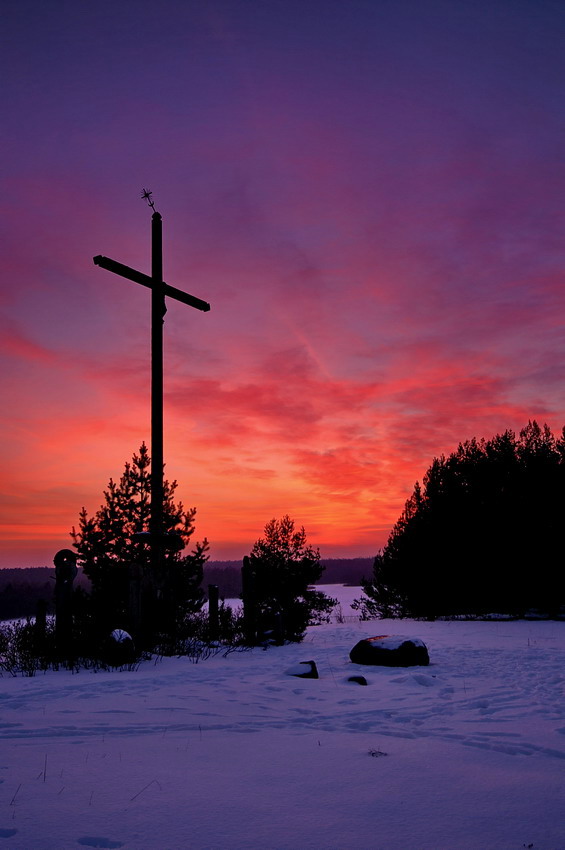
<point x="22" y="587"/>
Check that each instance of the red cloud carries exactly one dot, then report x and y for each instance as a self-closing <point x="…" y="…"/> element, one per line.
<point x="18" y="346"/>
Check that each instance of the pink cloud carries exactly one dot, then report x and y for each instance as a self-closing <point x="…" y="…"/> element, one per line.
<point x="18" y="346"/>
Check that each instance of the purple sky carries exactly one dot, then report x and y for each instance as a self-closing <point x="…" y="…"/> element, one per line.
<point x="370" y="194"/>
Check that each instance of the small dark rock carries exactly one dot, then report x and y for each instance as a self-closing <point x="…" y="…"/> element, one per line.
<point x="360" y="680"/>
<point x="304" y="670"/>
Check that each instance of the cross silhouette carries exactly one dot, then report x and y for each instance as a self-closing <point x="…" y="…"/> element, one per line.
<point x="159" y="289"/>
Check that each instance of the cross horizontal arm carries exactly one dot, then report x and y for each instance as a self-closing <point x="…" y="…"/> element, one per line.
<point x="146" y="280"/>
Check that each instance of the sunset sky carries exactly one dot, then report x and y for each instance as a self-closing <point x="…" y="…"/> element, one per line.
<point x="369" y="193"/>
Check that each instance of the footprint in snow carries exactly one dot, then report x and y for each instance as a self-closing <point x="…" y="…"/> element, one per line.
<point x="98" y="841"/>
<point x="7" y="833"/>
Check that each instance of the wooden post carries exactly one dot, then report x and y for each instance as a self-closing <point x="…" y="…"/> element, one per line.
<point x="157" y="316"/>
<point x="134" y="600"/>
<point x="213" y="611"/>
<point x="248" y="597"/>
<point x="65" y="573"/>
<point x="278" y="628"/>
<point x="40" y="625"/>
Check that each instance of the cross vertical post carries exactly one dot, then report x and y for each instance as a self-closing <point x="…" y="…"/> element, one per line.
<point x="157" y="461"/>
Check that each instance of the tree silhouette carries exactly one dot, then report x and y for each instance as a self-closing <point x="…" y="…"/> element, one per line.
<point x="483" y="534"/>
<point x="283" y="567"/>
<point x="114" y="560"/>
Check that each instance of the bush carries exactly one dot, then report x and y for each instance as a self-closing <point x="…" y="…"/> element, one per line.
<point x="196" y="641"/>
<point x="282" y="568"/>
<point x="25" y="649"/>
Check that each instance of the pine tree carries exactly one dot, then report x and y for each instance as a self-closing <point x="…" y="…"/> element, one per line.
<point x="483" y="534"/>
<point x="283" y="567"/>
<point x="113" y="560"/>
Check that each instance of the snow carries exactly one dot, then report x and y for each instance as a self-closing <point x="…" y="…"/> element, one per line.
<point x="396" y="641"/>
<point x="232" y="754"/>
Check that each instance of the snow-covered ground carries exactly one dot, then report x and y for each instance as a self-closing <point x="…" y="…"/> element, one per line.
<point x="233" y="753"/>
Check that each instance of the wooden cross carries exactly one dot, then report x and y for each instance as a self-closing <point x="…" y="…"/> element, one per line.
<point x="159" y="289"/>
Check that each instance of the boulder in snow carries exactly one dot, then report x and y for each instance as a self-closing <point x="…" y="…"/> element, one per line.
<point x="390" y="651"/>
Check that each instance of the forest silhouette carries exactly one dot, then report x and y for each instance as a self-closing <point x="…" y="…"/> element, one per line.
<point x="483" y="534"/>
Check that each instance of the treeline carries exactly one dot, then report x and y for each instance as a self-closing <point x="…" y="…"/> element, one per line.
<point x="22" y="589"/>
<point x="484" y="534"/>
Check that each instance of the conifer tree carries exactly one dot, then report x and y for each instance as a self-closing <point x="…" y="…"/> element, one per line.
<point x="283" y="568"/>
<point x="111" y="557"/>
<point x="483" y="534"/>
